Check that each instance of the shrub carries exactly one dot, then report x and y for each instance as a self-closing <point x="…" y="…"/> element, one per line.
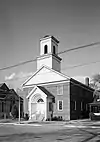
<point x="14" y="111"/>
<point x="57" y="118"/>
<point x="26" y="116"/>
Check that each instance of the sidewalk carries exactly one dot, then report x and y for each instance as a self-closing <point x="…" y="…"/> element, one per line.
<point x="8" y="121"/>
<point x="81" y="122"/>
<point x="16" y="121"/>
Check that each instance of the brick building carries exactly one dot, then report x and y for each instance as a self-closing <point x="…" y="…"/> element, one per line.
<point x="49" y="93"/>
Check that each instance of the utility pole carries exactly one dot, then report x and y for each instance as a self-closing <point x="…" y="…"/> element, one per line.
<point x="19" y="108"/>
<point x="19" y="92"/>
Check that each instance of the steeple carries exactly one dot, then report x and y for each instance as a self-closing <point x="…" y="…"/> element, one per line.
<point x="49" y="53"/>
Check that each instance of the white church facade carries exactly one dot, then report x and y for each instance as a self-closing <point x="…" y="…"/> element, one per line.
<point x="49" y="93"/>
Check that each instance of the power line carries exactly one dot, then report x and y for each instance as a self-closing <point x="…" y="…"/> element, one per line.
<point x="80" y="65"/>
<point x="19" y="64"/>
<point x="66" y="68"/>
<point x="80" y="47"/>
<point x="62" y="52"/>
<point x="78" y="83"/>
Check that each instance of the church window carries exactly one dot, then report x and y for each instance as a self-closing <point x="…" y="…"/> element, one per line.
<point x="40" y="100"/>
<point x="60" y="105"/>
<point x="54" y="50"/>
<point x="45" y="49"/>
<point x="60" y="90"/>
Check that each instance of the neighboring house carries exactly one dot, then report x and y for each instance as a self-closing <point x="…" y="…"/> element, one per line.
<point x="95" y="105"/>
<point x="50" y="93"/>
<point x="8" y="97"/>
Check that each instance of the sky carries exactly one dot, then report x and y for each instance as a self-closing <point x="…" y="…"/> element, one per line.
<point x="73" y="22"/>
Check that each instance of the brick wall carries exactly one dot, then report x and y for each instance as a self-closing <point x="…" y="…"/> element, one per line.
<point x="65" y="113"/>
<point x="80" y="96"/>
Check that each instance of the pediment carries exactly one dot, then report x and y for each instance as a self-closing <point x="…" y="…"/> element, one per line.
<point x="45" y="75"/>
<point x="36" y="94"/>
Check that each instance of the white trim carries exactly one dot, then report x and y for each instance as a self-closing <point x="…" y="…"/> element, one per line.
<point x="61" y="74"/>
<point x="58" y="105"/>
<point x="49" y="83"/>
<point x="35" y="87"/>
<point x="46" y="115"/>
<point x="31" y="77"/>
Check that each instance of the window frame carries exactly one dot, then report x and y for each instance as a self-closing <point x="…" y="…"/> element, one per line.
<point x="54" y="50"/>
<point x="81" y="105"/>
<point x="60" y="87"/>
<point x="74" y="105"/>
<point x="45" y="49"/>
<point x="40" y="100"/>
<point x="86" y="107"/>
<point x="58" y="105"/>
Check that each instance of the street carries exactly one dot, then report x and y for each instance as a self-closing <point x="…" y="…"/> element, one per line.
<point x="75" y="132"/>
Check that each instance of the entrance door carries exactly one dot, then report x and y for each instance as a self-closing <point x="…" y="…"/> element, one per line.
<point x="40" y="109"/>
<point x="33" y="110"/>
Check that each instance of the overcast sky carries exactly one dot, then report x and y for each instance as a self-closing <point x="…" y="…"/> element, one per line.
<point x="72" y="22"/>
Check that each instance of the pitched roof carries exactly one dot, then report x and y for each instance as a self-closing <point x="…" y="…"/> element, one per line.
<point x="4" y="86"/>
<point x="45" y="91"/>
<point x="1" y="84"/>
<point x="76" y="82"/>
<point x="48" y="72"/>
<point x="12" y="91"/>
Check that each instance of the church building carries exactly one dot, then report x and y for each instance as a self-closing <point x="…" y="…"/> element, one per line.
<point x="50" y="93"/>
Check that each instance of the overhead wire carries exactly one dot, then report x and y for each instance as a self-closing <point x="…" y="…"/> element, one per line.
<point x="63" y="69"/>
<point x="62" y="52"/>
<point x="80" y="65"/>
<point x="79" y="47"/>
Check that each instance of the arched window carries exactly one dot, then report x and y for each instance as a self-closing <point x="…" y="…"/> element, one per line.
<point x="54" y="50"/>
<point x="40" y="100"/>
<point x="45" y="49"/>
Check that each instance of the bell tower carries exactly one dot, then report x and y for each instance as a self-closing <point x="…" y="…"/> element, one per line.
<point x="49" y="53"/>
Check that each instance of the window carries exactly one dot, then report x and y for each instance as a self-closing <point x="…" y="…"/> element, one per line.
<point x="54" y="50"/>
<point x="45" y="49"/>
<point x="60" y="105"/>
<point x="40" y="100"/>
<point x="86" y="107"/>
<point x="60" y="90"/>
<point x="73" y="105"/>
<point x="50" y="106"/>
<point x="81" y="106"/>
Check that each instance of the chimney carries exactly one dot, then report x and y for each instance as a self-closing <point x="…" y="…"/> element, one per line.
<point x="87" y="81"/>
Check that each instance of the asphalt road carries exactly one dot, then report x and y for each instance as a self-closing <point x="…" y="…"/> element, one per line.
<point x="78" y="132"/>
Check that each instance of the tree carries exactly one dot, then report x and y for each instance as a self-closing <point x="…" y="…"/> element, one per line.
<point x="96" y="96"/>
<point x="95" y="81"/>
